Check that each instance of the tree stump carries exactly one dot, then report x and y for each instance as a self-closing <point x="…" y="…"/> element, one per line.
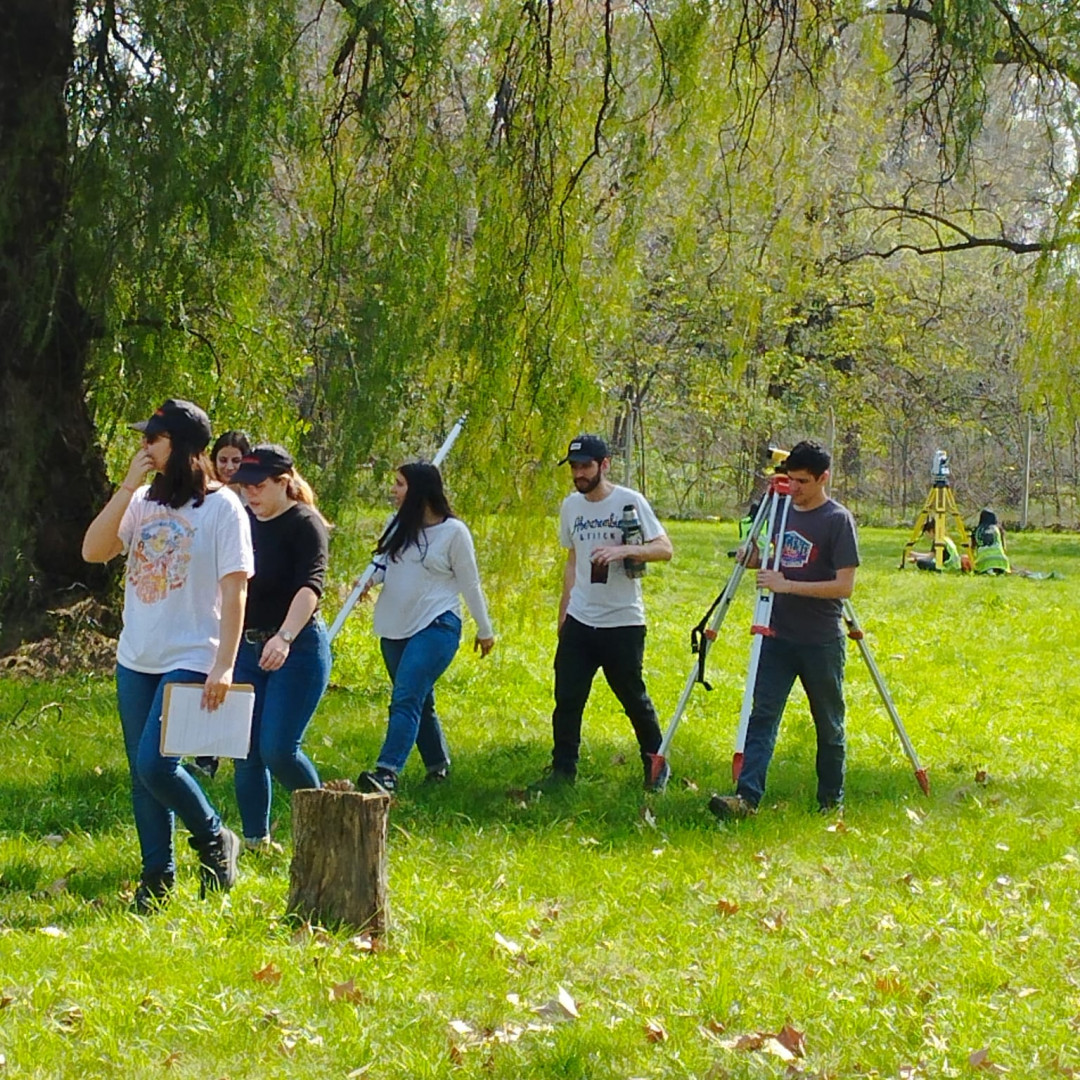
<point x="338" y="871"/>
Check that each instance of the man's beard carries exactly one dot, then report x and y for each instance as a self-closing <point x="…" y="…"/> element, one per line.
<point x="585" y="486"/>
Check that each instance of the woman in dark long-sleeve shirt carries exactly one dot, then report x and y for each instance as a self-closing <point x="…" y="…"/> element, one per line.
<point x="285" y="651"/>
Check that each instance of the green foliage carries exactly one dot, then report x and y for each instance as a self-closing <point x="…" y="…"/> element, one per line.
<point x="918" y="930"/>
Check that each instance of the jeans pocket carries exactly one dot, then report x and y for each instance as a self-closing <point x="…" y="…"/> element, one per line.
<point x="447" y="621"/>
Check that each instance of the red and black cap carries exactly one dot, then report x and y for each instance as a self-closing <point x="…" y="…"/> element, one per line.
<point x="266" y="459"/>
<point x="182" y="420"/>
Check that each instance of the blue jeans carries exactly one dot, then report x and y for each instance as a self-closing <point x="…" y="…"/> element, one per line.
<point x="160" y="788"/>
<point x="285" y="701"/>
<point x="820" y="669"/>
<point x="414" y="665"/>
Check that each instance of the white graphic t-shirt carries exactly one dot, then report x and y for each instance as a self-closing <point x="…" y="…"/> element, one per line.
<point x="585" y="526"/>
<point x="175" y="559"/>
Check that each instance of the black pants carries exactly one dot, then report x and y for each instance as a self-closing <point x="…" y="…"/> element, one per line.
<point x="619" y="652"/>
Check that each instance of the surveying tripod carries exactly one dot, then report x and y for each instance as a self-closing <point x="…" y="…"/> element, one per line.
<point x="939" y="506"/>
<point x="772" y="511"/>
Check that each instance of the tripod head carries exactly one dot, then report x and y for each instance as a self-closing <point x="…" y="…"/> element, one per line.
<point x="775" y="459"/>
<point x="939" y="470"/>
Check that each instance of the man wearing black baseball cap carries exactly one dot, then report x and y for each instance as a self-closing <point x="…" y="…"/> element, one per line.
<point x="601" y="614"/>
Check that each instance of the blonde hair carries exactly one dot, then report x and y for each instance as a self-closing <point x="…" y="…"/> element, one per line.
<point x="296" y="487"/>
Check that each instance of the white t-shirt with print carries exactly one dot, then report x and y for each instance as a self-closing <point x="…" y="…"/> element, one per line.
<point x="585" y="526"/>
<point x="175" y="561"/>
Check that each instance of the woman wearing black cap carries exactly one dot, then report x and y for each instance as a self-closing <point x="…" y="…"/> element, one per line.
<point x="188" y="548"/>
<point x="285" y="652"/>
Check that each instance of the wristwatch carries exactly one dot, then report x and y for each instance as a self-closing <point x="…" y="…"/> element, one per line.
<point x="287" y="636"/>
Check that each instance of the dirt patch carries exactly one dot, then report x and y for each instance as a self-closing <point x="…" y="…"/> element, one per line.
<point x="78" y="641"/>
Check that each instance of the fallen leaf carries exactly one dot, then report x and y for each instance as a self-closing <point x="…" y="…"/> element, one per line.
<point x="5" y="1000"/>
<point x="52" y="931"/>
<point x="654" y="1031"/>
<point x="982" y="777"/>
<point x="558" y="1009"/>
<point x="980" y="1059"/>
<point x="726" y="907"/>
<point x="774" y="1046"/>
<point x="689" y="784"/>
<point x="753" y="1041"/>
<point x="53" y="839"/>
<point x="363" y="943"/>
<point x="512" y="947"/>
<point x="618" y="759"/>
<point x="914" y="815"/>
<point x="773" y="922"/>
<point x="271" y="974"/>
<point x="793" y="1039"/>
<point x="346" y="991"/>
<point x="889" y="983"/>
<point x="171" y="1060"/>
<point x="836" y="827"/>
<point x="459" y="1027"/>
<point x="648" y="817"/>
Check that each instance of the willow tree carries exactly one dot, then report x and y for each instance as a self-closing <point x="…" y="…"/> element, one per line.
<point x="138" y="137"/>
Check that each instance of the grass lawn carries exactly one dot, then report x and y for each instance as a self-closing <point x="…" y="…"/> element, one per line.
<point x="919" y="937"/>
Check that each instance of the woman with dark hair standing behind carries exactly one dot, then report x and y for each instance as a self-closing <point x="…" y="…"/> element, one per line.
<point x="426" y="559"/>
<point x="285" y="651"/>
<point x="227" y="452"/>
<point x="229" y="447"/>
<point x="189" y="556"/>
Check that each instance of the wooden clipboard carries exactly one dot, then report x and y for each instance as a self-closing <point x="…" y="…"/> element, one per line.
<point x="188" y="730"/>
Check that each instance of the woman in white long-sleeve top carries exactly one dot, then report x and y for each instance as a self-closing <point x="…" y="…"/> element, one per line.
<point x="426" y="561"/>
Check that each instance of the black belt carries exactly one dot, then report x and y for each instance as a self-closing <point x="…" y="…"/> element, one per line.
<point x="258" y="637"/>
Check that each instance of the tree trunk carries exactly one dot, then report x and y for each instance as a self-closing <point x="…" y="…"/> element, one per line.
<point x="53" y="469"/>
<point x="338" y="872"/>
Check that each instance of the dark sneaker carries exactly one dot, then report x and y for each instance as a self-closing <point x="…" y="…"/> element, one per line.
<point x="731" y="807"/>
<point x="217" y="861"/>
<point x="377" y="782"/>
<point x="437" y="775"/>
<point x="553" y="780"/>
<point x="152" y="893"/>
<point x="206" y="767"/>
<point x="657" y="773"/>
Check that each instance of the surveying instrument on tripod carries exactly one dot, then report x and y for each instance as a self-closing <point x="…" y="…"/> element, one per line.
<point x="770" y="526"/>
<point x="939" y="506"/>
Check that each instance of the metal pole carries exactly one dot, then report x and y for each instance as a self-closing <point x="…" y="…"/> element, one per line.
<point x="855" y="632"/>
<point x="657" y="760"/>
<point x="365" y="578"/>
<point x="780" y="499"/>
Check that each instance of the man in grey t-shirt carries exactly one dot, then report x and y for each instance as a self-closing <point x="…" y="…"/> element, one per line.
<point x="601" y="614"/>
<point x="819" y="555"/>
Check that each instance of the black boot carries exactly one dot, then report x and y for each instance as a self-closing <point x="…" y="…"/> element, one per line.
<point x="217" y="861"/>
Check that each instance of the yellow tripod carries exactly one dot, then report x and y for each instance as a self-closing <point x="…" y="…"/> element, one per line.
<point x="939" y="506"/>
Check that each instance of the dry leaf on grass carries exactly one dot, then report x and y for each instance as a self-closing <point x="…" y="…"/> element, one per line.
<point x="558" y="1009"/>
<point x="346" y="991"/>
<point x="512" y="947"/>
<point x="726" y="907"/>
<point x="793" y="1039"/>
<point x="654" y="1031"/>
<point x="980" y="1059"/>
<point x="271" y="974"/>
<point x="171" y="1059"/>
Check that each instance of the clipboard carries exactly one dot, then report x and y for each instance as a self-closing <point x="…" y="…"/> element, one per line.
<point x="188" y="730"/>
